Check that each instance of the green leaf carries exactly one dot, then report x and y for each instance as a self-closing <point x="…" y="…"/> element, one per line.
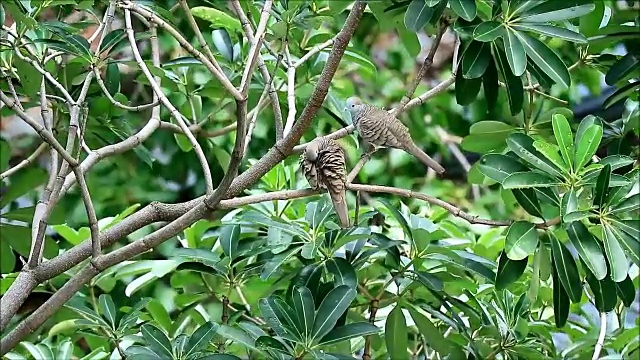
<point x="229" y="238"/>
<point x="432" y="335"/>
<point x="516" y="55"/>
<point x="111" y="39"/>
<point x="528" y="199"/>
<point x="622" y="93"/>
<point x="626" y="291"/>
<point x="23" y="182"/>
<point x="564" y="138"/>
<point x="550" y="11"/>
<point x="552" y="31"/>
<point x="621" y="68"/>
<point x="201" y="338"/>
<point x="466" y="89"/>
<point x="222" y="42"/>
<point x="398" y="216"/>
<point x="521" y="240"/>
<point x="365" y="64"/>
<point x="156" y="340"/>
<point x="272" y="344"/>
<point x="331" y="309"/>
<point x="567" y="269"/>
<point x="490" y="85"/>
<point x="65" y="349"/>
<point x="107" y="309"/>
<point x="417" y="15"/>
<point x="349" y="331"/>
<point x="522" y="145"/>
<point x="529" y="179"/>
<point x="604" y="292"/>
<point x="515" y="89"/>
<point x="588" y="248"/>
<point x="617" y="259"/>
<point x="548" y="61"/>
<point x="305" y="309"/>
<point x="630" y="204"/>
<point x="430" y="281"/>
<point x="274" y="311"/>
<point x="498" y="167"/>
<point x="576" y="216"/>
<point x="475" y="60"/>
<point x="561" y="302"/>
<point x="488" y="31"/>
<point x="509" y="271"/>
<point x="396" y="334"/>
<point x="217" y="18"/>
<point x="630" y="245"/>
<point x="587" y="145"/>
<point x="276" y="261"/>
<point x="550" y="152"/>
<point x="343" y="272"/>
<point x="466" y="9"/>
<point x="602" y="186"/>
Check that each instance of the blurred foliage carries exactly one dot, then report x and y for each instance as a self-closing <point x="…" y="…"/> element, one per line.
<point x="280" y="280"/>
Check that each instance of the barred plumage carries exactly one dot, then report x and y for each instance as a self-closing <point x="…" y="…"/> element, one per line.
<point x="323" y="165"/>
<point x="379" y="128"/>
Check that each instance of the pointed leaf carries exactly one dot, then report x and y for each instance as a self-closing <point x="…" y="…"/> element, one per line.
<point x="630" y="245"/>
<point x="305" y="309"/>
<point x="516" y="55"/>
<point x="561" y="301"/>
<point x="588" y="248"/>
<point x="630" y="204"/>
<point x="548" y="61"/>
<point x="529" y="179"/>
<point x="343" y="272"/>
<point x="229" y="238"/>
<point x="349" y="331"/>
<point x="564" y="138"/>
<point x="621" y="68"/>
<point x="567" y="269"/>
<point x="515" y="89"/>
<point x="521" y="241"/>
<point x="475" y="60"/>
<point x="602" y="186"/>
<point x="156" y="340"/>
<point x="550" y="152"/>
<point x="549" y="11"/>
<point x="417" y="15"/>
<point x="626" y="291"/>
<point x="108" y="309"/>
<point x="498" y="167"/>
<point x="528" y="199"/>
<point x="331" y="309"/>
<point x="509" y="271"/>
<point x="522" y="145"/>
<point x="552" y="31"/>
<point x="432" y="335"/>
<point x="617" y="259"/>
<point x="488" y="31"/>
<point x="396" y="334"/>
<point x="201" y="338"/>
<point x="430" y="281"/>
<point x="587" y="145"/>
<point x="604" y="292"/>
<point x="466" y="9"/>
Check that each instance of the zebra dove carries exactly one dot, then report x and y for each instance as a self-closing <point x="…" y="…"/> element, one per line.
<point x="323" y="165"/>
<point x="379" y="129"/>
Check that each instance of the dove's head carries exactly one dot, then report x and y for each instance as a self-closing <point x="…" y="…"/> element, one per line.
<point x="311" y="151"/>
<point x="353" y="104"/>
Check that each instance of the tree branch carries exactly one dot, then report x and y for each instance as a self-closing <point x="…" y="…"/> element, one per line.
<point x="206" y="169"/>
<point x="25" y="162"/>
<point x="254" y="51"/>
<point x="426" y="65"/>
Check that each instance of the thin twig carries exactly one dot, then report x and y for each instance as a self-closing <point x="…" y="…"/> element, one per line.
<point x="25" y="162"/>
<point x="116" y="102"/>
<point x="273" y="96"/>
<point x="601" y="335"/>
<point x="151" y="17"/>
<point x="254" y="51"/>
<point x="206" y="170"/>
<point x="198" y="33"/>
<point x="426" y="65"/>
<point x="316" y="49"/>
<point x="291" y="95"/>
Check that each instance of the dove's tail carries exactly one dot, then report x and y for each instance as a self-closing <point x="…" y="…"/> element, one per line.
<point x="340" y="205"/>
<point x="426" y="159"/>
